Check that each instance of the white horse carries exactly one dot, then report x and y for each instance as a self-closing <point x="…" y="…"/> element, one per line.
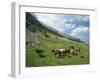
<point x="71" y="51"/>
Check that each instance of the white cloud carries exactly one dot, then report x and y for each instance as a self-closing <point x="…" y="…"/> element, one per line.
<point x="82" y="33"/>
<point x="47" y="19"/>
<point x="69" y="20"/>
<point x="86" y="18"/>
<point x="52" y="20"/>
<point x="82" y="18"/>
<point x="79" y="30"/>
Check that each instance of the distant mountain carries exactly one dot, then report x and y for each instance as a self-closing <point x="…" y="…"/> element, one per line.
<point x="74" y="39"/>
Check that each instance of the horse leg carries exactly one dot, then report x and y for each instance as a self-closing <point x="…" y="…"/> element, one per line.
<point x="55" y="54"/>
<point x="59" y="54"/>
<point x="64" y="54"/>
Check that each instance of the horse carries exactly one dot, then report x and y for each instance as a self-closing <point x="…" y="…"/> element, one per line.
<point x="56" y="52"/>
<point x="77" y="50"/>
<point x="40" y="52"/>
<point x="72" y="50"/>
<point x="66" y="52"/>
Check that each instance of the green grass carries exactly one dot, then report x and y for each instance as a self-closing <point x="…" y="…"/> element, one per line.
<point x="33" y="60"/>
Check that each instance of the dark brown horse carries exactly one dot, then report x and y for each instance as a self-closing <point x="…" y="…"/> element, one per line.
<point x="39" y="51"/>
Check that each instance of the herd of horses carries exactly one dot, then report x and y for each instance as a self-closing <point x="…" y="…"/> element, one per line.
<point x="59" y="52"/>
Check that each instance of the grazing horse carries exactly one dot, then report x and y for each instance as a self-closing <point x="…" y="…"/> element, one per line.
<point x="40" y="52"/>
<point x="56" y="52"/>
<point x="77" y="51"/>
<point x="61" y="52"/>
<point x="71" y="50"/>
<point x="66" y="52"/>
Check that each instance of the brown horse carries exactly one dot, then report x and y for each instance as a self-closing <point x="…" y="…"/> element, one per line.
<point x="56" y="52"/>
<point x="77" y="50"/>
<point x="39" y="51"/>
<point x="66" y="52"/>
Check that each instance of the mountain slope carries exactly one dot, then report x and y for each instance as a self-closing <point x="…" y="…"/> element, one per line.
<point x="34" y="25"/>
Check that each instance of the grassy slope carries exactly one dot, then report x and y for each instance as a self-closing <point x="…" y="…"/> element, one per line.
<point x="50" y="60"/>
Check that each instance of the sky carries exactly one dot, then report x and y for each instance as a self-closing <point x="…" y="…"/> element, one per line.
<point x="68" y="24"/>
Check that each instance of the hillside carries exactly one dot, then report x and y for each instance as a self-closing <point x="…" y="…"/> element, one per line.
<point x="38" y="35"/>
<point x="34" y="26"/>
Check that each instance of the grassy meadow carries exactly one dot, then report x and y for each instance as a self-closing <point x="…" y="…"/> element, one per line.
<point x="32" y="59"/>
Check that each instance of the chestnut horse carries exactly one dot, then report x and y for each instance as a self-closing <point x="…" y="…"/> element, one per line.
<point x="77" y="51"/>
